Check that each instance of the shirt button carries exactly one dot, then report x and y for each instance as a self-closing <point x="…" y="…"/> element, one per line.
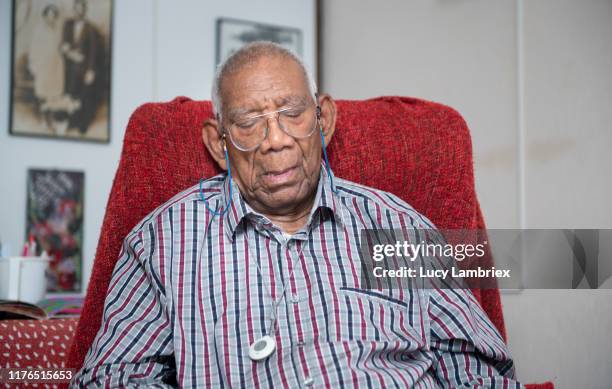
<point x="308" y="382"/>
<point x="295" y="298"/>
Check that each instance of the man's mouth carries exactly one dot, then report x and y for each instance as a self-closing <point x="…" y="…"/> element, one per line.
<point x="276" y="177"/>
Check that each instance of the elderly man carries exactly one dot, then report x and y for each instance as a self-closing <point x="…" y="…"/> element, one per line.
<point x="252" y="278"/>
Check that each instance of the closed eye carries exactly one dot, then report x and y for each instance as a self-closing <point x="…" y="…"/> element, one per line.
<point x="247" y="123"/>
<point x="293" y="113"/>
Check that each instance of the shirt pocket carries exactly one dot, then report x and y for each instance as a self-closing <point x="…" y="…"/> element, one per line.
<point x="371" y="315"/>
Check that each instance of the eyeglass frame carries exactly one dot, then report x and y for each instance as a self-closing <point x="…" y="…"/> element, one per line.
<point x="267" y="130"/>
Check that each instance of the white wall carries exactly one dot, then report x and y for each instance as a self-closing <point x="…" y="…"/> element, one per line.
<point x="567" y="96"/>
<point x="186" y="38"/>
<point x="466" y="54"/>
<point x="460" y="53"/>
<point x="568" y="101"/>
<point x="161" y="49"/>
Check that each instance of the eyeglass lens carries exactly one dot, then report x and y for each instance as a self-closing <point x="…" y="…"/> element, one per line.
<point x="249" y="133"/>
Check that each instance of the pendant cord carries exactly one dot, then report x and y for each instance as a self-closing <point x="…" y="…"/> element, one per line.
<point x="276" y="302"/>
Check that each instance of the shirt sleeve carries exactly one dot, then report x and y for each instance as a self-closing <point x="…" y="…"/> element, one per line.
<point x="468" y="349"/>
<point x="133" y="347"/>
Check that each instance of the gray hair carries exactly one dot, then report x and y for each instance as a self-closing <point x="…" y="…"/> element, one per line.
<point x="248" y="54"/>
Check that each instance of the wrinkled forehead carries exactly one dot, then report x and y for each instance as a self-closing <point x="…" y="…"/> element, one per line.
<point x="265" y="84"/>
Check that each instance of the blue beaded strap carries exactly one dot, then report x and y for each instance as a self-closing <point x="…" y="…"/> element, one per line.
<point x="229" y="174"/>
<point x="331" y="178"/>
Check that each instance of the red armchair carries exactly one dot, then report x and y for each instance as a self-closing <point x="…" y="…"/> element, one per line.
<point x="419" y="150"/>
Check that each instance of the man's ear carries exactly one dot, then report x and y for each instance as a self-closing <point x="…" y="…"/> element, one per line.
<point x="328" y="116"/>
<point x="214" y="141"/>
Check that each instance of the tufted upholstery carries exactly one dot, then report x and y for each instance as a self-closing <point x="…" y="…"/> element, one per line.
<point x="419" y="150"/>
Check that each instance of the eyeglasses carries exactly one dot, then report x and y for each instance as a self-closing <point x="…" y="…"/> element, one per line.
<point x="248" y="133"/>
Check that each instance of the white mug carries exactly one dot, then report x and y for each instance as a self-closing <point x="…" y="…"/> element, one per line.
<point x="23" y="278"/>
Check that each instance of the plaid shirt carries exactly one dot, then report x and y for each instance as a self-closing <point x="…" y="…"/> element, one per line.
<point x="186" y="300"/>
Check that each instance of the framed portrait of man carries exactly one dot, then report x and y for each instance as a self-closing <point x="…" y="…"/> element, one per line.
<point x="232" y="34"/>
<point x="60" y="69"/>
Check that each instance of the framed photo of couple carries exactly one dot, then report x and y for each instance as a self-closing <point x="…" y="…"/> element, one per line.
<point x="60" y="69"/>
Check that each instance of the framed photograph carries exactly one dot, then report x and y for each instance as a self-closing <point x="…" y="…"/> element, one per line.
<point x="232" y="34"/>
<point x="60" y="69"/>
<point x="55" y="221"/>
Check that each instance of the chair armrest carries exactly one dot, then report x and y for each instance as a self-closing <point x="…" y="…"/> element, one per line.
<point x="40" y="344"/>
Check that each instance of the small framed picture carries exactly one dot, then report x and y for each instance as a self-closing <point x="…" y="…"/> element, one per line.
<point x="55" y="220"/>
<point x="60" y="69"/>
<point x="232" y="34"/>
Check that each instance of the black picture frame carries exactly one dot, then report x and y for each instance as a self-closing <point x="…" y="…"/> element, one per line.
<point x="40" y="112"/>
<point x="289" y="37"/>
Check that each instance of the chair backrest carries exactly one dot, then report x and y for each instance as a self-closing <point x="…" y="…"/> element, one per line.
<point x="419" y="150"/>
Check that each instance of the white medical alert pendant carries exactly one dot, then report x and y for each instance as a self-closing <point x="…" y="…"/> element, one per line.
<point x="262" y="348"/>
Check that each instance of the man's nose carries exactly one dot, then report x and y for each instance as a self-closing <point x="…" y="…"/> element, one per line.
<point x="277" y="138"/>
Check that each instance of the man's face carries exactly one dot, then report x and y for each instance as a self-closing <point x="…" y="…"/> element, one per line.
<point x="282" y="173"/>
<point x="50" y="17"/>
<point x="80" y="9"/>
